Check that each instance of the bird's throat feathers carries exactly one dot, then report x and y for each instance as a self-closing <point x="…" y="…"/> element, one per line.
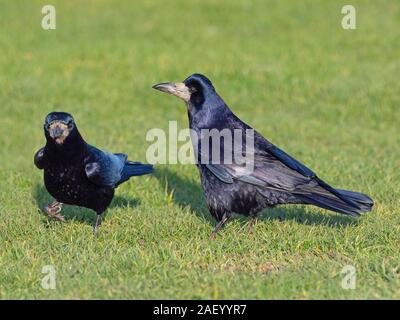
<point x="71" y="145"/>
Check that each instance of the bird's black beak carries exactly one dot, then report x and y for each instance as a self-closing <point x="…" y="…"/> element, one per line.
<point x="58" y="131"/>
<point x="177" y="89"/>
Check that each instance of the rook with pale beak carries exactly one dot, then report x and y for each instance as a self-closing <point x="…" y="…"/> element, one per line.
<point x="277" y="178"/>
<point x="77" y="173"/>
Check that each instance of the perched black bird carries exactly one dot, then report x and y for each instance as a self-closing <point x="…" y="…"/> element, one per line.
<point x="276" y="178"/>
<point x="77" y="173"/>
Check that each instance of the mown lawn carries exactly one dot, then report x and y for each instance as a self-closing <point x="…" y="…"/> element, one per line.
<point x="328" y="96"/>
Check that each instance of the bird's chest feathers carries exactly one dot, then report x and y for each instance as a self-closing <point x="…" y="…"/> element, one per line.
<point x="65" y="181"/>
<point x="64" y="175"/>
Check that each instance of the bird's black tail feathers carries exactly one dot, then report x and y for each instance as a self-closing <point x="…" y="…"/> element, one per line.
<point x="135" y="169"/>
<point x="343" y="201"/>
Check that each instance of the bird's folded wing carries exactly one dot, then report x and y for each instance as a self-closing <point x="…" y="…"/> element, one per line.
<point x="289" y="161"/>
<point x="39" y="158"/>
<point x="220" y="173"/>
<point x="104" y="168"/>
<point x="276" y="170"/>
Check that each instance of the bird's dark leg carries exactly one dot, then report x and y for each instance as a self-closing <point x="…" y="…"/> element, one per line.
<point x="97" y="224"/>
<point x="220" y="224"/>
<point x="252" y="222"/>
<point x="53" y="209"/>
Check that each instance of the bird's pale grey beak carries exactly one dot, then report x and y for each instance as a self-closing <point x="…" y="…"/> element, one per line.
<point x="58" y="131"/>
<point x="178" y="89"/>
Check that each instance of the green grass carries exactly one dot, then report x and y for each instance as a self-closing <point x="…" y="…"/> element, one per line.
<point x="326" y="95"/>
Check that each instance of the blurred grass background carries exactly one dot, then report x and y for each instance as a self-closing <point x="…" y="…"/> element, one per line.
<point x="328" y="96"/>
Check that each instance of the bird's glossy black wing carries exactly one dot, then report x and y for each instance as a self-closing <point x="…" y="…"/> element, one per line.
<point x="39" y="159"/>
<point x="104" y="168"/>
<point x="277" y="170"/>
<point x="302" y="169"/>
<point x="220" y="173"/>
<point x="290" y="161"/>
<point x="266" y="172"/>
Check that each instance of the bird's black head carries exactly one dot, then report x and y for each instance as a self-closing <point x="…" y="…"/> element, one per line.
<point x="194" y="90"/>
<point x="200" y="87"/>
<point x="59" y="127"/>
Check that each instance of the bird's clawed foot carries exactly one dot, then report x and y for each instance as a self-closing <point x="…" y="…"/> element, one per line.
<point x="53" y="210"/>
<point x="214" y="234"/>
<point x="97" y="224"/>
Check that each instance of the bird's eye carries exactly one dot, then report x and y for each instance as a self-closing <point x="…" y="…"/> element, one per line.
<point x="70" y="123"/>
<point x="192" y="89"/>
